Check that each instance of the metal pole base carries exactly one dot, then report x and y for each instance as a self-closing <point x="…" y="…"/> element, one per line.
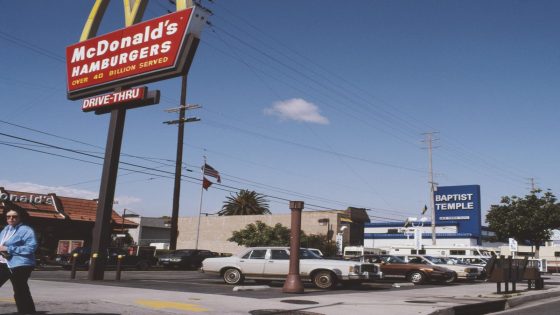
<point x="293" y="284"/>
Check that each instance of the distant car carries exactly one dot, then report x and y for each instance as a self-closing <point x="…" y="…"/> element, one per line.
<point x="462" y="271"/>
<point x="84" y="253"/>
<point x="317" y="252"/>
<point x="478" y="262"/>
<point x="185" y="258"/>
<point x="272" y="263"/>
<point x="394" y="267"/>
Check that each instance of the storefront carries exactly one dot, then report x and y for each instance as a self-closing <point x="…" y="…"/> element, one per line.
<point x="55" y="218"/>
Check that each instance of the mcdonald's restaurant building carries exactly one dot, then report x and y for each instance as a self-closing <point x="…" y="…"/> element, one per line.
<point x="57" y="218"/>
<point x="214" y="231"/>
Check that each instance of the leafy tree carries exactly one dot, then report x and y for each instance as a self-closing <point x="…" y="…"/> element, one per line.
<point x="319" y="241"/>
<point x="531" y="218"/>
<point x="260" y="234"/>
<point x="245" y="202"/>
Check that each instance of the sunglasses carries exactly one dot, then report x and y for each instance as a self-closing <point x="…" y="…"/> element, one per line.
<point x="12" y="216"/>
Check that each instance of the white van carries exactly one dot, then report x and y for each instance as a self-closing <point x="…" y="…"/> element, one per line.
<point x="444" y="251"/>
<point x="357" y="251"/>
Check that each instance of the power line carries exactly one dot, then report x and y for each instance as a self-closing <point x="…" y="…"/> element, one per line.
<point x="151" y="159"/>
<point x="196" y="180"/>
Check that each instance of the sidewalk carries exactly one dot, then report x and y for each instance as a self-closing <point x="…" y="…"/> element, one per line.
<point x="79" y="298"/>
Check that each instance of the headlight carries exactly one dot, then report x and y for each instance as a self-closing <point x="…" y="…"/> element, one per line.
<point x="354" y="269"/>
<point x="175" y="259"/>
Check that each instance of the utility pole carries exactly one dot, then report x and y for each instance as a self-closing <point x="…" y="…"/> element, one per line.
<point x="179" y="159"/>
<point x="533" y="186"/>
<point x="429" y="140"/>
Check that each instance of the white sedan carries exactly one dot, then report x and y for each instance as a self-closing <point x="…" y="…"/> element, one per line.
<point x="272" y="263"/>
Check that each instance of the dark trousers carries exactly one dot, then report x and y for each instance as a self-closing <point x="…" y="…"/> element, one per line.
<point x="19" y="276"/>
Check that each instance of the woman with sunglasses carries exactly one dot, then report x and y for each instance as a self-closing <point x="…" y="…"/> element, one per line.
<point x="17" y="260"/>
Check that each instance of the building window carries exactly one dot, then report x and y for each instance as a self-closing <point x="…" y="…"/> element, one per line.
<point x="457" y="252"/>
<point x="392" y="231"/>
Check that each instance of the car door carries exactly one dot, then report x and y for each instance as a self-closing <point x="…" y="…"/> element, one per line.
<point x="253" y="262"/>
<point x="277" y="264"/>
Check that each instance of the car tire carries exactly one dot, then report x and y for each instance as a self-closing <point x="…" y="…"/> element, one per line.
<point x="324" y="279"/>
<point x="233" y="276"/>
<point x="417" y="277"/>
<point x="452" y="279"/>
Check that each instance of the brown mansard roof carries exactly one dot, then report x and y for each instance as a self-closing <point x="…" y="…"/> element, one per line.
<point x="63" y="208"/>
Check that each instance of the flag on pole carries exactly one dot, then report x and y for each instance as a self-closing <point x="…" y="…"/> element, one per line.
<point x="206" y="183"/>
<point x="210" y="171"/>
<point x="425" y="209"/>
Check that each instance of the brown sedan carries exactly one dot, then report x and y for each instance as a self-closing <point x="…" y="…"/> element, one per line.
<point x="394" y="267"/>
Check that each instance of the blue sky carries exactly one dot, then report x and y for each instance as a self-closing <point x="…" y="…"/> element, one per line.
<point x="320" y="101"/>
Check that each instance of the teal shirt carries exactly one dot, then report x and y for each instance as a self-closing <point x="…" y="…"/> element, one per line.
<point x="21" y="246"/>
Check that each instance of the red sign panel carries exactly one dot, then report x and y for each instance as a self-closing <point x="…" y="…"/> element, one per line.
<point x="125" y="96"/>
<point x="138" y="54"/>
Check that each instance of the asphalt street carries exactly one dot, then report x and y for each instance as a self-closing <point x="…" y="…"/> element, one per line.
<point x="197" y="282"/>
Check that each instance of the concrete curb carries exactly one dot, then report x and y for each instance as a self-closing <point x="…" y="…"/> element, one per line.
<point x="497" y="305"/>
<point x="519" y="300"/>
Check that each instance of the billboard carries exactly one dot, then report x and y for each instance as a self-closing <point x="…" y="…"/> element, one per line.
<point x="460" y="204"/>
<point x="145" y="52"/>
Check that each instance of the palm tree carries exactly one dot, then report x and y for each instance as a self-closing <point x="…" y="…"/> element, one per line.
<point x="245" y="202"/>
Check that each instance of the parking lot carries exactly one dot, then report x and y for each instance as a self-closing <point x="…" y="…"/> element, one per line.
<point x="196" y="282"/>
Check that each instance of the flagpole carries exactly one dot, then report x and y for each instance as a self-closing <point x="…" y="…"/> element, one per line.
<point x="200" y="204"/>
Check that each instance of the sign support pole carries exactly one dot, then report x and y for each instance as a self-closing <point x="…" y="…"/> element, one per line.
<point x="102" y="228"/>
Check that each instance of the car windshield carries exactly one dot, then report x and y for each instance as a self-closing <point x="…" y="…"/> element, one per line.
<point x="183" y="252"/>
<point x="392" y="260"/>
<point x="437" y="260"/>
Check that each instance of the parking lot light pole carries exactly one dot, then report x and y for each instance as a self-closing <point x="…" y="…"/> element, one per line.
<point x="293" y="282"/>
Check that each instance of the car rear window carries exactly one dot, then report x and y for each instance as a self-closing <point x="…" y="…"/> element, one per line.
<point x="279" y="254"/>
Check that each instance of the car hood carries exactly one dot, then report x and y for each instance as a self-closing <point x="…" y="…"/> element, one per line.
<point x="424" y="266"/>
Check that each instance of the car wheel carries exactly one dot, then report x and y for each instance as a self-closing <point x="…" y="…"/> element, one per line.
<point x="324" y="279"/>
<point x="233" y="276"/>
<point x="416" y="277"/>
<point x="452" y="279"/>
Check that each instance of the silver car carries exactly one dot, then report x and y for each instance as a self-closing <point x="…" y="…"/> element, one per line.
<point x="265" y="264"/>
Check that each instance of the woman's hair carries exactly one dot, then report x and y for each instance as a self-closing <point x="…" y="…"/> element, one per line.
<point x="22" y="213"/>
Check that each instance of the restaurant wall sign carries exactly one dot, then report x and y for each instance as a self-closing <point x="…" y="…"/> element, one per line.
<point x="27" y="198"/>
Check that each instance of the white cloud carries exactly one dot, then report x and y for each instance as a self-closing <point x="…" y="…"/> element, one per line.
<point x="63" y="191"/>
<point x="297" y="109"/>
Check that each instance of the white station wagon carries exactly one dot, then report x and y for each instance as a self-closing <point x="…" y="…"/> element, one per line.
<point x="265" y="264"/>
